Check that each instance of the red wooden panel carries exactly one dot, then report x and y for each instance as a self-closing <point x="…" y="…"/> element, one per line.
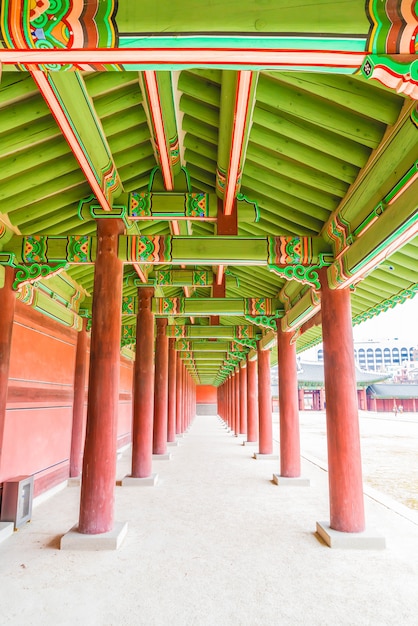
<point x="34" y="440"/>
<point x="206" y="394"/>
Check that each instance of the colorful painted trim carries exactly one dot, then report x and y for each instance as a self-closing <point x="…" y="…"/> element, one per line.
<point x="289" y="250"/>
<point x="188" y="206"/>
<point x="394" y="26"/>
<point x="175" y="331"/>
<point x="338" y="230"/>
<point x="265" y="321"/>
<point x="79" y="249"/>
<point x="59" y="24"/>
<point x="128" y="336"/>
<point x="150" y="249"/>
<point x="257" y="306"/>
<point x="305" y="275"/>
<point x="399" y="298"/>
<point x="169" y="306"/>
<point x="402" y="77"/>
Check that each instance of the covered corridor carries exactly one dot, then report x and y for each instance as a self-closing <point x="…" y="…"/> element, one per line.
<point x="215" y="542"/>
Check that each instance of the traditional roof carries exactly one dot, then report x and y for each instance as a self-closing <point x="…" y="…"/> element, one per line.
<point x="245" y="149"/>
<point x="394" y="391"/>
<point x="311" y="374"/>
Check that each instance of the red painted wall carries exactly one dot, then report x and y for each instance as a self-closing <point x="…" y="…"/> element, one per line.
<point x="206" y="394"/>
<point x="37" y="431"/>
<point x="125" y="402"/>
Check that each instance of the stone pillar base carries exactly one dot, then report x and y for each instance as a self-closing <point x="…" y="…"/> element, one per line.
<point x="366" y="540"/>
<point x="74" y="481"/>
<point x="6" y="530"/>
<point x="112" y="540"/>
<point x="250" y="443"/>
<point x="265" y="457"/>
<point x="133" y="481"/>
<point x="162" y="457"/>
<point x="296" y="481"/>
<point x="173" y="444"/>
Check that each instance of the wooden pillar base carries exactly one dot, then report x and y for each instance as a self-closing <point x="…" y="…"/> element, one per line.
<point x="366" y="540"/>
<point x="111" y="540"/>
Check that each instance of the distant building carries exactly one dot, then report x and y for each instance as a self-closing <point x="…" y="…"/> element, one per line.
<point x="382" y="356"/>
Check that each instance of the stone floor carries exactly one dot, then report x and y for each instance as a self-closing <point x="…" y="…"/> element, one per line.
<point x="215" y="543"/>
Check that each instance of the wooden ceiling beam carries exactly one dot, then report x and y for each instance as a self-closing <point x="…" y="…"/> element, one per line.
<point x="70" y="104"/>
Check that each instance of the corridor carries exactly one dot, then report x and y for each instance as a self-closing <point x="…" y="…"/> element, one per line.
<point x="214" y="543"/>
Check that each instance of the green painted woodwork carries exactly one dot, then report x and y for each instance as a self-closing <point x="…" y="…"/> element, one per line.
<point x="322" y="139"/>
<point x="198" y="346"/>
<point x="302" y="311"/>
<point x="242" y="16"/>
<point x="73" y="99"/>
<point x="213" y="332"/>
<point x="194" y="84"/>
<point x="212" y="306"/>
<point x="395" y="222"/>
<point x="320" y="197"/>
<point x="279" y="145"/>
<point x="291" y="100"/>
<point x="320" y="162"/>
<point x="350" y="93"/>
<point x="266" y="159"/>
<point x="383" y="172"/>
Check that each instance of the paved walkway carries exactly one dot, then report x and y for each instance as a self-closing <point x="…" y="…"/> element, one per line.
<point x="214" y="543"/>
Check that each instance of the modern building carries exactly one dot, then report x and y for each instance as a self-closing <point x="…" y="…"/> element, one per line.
<point x="379" y="356"/>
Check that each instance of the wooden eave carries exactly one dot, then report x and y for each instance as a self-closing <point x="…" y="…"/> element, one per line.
<point x="322" y="153"/>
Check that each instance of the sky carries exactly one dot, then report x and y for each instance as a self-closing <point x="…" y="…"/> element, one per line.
<point x="400" y="322"/>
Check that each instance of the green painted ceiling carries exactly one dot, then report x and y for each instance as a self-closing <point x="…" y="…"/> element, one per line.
<point x="313" y="142"/>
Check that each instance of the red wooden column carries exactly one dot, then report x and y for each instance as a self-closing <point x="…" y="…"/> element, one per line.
<point x="252" y="402"/>
<point x="77" y="430"/>
<point x="264" y="402"/>
<point x="301" y="396"/>
<point x="143" y="410"/>
<point x="179" y="382"/>
<point x="219" y="406"/>
<point x="172" y="389"/>
<point x="161" y="388"/>
<point x="237" y="402"/>
<point x="344" y="457"/>
<point x="288" y="405"/>
<point x="232" y="400"/>
<point x="183" y="398"/>
<point x="7" y="311"/>
<point x="99" y="462"/>
<point x="227" y="407"/>
<point x="243" y="398"/>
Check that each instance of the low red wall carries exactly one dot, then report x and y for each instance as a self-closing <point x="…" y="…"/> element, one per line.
<point x="37" y="430"/>
<point x="125" y="402"/>
<point x="206" y="394"/>
<point x="38" y="421"/>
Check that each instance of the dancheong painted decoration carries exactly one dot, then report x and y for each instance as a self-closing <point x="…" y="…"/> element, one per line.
<point x="249" y="160"/>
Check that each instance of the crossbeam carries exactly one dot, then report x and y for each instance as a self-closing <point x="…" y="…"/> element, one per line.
<point x="168" y="249"/>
